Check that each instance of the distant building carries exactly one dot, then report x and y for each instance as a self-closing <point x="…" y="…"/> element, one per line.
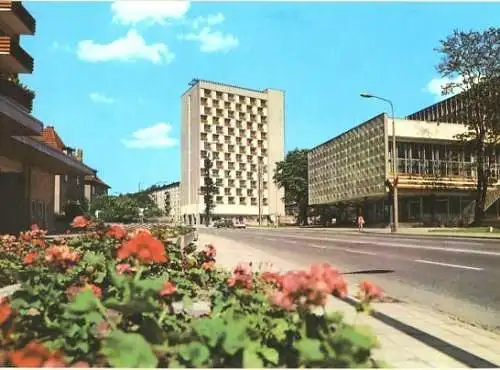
<point x="167" y="194"/>
<point x="436" y="173"/>
<point x="242" y="131"/>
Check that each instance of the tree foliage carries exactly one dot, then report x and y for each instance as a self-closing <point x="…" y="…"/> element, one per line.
<point x="208" y="190"/>
<point x="471" y="63"/>
<point x="124" y="208"/>
<point x="167" y="205"/>
<point x="292" y="175"/>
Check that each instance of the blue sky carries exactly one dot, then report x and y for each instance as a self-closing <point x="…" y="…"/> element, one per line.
<point x="109" y="76"/>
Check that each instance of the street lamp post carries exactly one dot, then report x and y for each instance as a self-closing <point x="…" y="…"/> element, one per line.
<point x="394" y="164"/>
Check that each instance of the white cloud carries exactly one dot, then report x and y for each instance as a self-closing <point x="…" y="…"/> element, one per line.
<point x="209" y="20"/>
<point x="435" y="86"/>
<point x="156" y="136"/>
<point x="129" y="48"/>
<point x="133" y="12"/>
<point x="212" y="41"/>
<point x="98" y="97"/>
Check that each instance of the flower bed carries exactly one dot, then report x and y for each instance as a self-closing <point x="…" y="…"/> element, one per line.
<point x="108" y="298"/>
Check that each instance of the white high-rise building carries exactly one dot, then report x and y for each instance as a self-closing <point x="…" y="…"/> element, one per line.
<point x="242" y="132"/>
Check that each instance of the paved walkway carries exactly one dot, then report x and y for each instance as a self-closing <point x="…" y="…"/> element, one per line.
<point x="404" y="347"/>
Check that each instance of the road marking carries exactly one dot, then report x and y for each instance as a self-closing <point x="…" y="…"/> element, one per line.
<point x="450" y="265"/>
<point x="317" y="246"/>
<point x="359" y="252"/>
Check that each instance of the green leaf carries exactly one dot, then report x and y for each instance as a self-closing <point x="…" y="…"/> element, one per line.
<point x="310" y="349"/>
<point x="128" y="350"/>
<point x="150" y="284"/>
<point x="174" y="364"/>
<point x="84" y="301"/>
<point x="270" y="354"/>
<point x="235" y="338"/>
<point x="210" y="329"/>
<point x="195" y="352"/>
<point x="280" y="329"/>
<point x="358" y="336"/>
<point x="251" y="359"/>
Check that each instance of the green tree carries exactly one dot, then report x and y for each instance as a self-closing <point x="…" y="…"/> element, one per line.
<point x="292" y="175"/>
<point x="123" y="208"/>
<point x="167" y="206"/>
<point x="471" y="62"/>
<point x="208" y="190"/>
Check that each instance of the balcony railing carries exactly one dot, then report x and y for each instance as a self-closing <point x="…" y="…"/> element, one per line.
<point x="16" y="93"/>
<point x="436" y="168"/>
<point x="13" y="57"/>
<point x="15" y="15"/>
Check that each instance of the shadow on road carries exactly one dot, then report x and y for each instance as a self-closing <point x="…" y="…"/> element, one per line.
<point x="368" y="272"/>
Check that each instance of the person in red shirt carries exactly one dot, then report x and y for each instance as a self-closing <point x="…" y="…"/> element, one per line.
<point x="361" y="222"/>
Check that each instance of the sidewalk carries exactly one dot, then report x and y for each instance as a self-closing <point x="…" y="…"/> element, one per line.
<point x="397" y="349"/>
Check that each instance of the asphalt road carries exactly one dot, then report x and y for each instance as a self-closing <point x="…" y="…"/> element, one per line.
<point x="460" y="277"/>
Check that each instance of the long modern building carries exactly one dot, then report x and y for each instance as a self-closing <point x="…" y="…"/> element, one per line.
<point x="167" y="195"/>
<point x="436" y="172"/>
<point x="242" y="131"/>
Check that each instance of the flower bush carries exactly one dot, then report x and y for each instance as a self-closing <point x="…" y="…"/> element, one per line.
<point x="109" y="298"/>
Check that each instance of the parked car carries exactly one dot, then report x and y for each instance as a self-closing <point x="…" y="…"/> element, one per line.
<point x="223" y="223"/>
<point x="239" y="225"/>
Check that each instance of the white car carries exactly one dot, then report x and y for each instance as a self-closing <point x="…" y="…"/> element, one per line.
<point x="239" y="225"/>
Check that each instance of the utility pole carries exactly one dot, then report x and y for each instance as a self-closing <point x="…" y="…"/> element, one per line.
<point x="259" y="190"/>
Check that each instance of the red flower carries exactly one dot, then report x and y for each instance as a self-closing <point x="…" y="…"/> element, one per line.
<point x="144" y="247"/>
<point x="30" y="258"/>
<point x="210" y="251"/>
<point x="306" y="288"/>
<point x="169" y="288"/>
<point x="208" y="266"/>
<point x="117" y="232"/>
<point x="123" y="268"/>
<point x="242" y="276"/>
<point x="35" y="354"/>
<point x="272" y="277"/>
<point x="73" y="290"/>
<point x="62" y="255"/>
<point x="80" y="222"/>
<point x="369" y="291"/>
<point x="5" y="311"/>
<point x="39" y="242"/>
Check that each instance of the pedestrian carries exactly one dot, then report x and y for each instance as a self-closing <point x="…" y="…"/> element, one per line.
<point x="361" y="222"/>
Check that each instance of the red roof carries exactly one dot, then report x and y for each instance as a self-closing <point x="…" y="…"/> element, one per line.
<point x="50" y="137"/>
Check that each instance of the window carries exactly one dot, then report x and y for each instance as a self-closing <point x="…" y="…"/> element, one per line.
<point x="253" y="201"/>
<point x="264" y="202"/>
<point x="203" y="136"/>
<point x="243" y="201"/>
<point x="227" y="191"/>
<point x="66" y="178"/>
<point x="227" y="173"/>
<point x="218" y="199"/>
<point x="231" y="200"/>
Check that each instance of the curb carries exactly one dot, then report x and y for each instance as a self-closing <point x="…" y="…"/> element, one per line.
<point x="436" y="236"/>
<point x="458" y="354"/>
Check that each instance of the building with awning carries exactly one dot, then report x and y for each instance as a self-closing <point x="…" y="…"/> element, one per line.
<point x="27" y="164"/>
